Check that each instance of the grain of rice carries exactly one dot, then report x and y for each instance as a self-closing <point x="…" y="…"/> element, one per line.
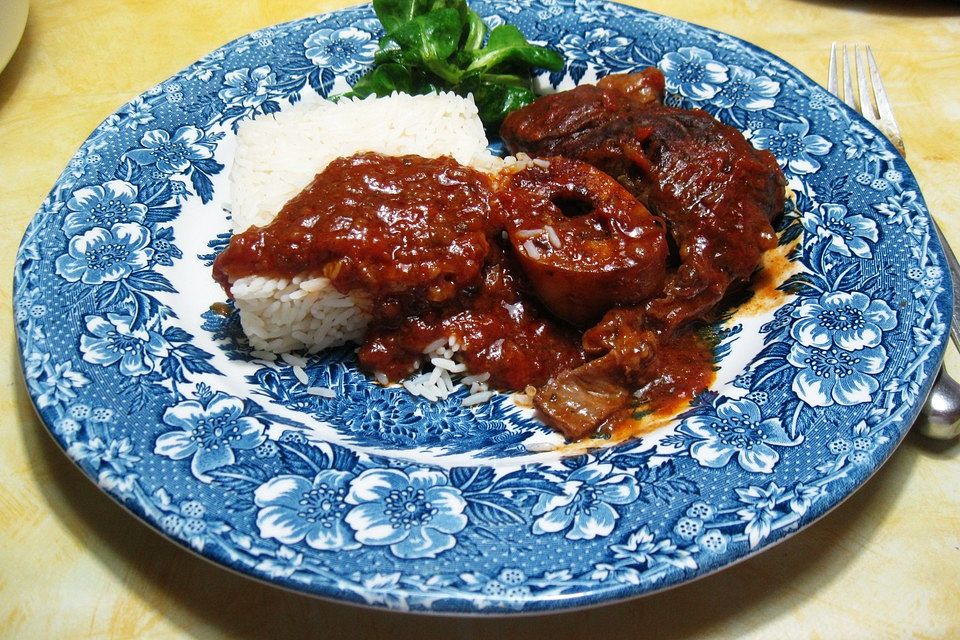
<point x="322" y="392"/>
<point x="539" y="447"/>
<point x="477" y="398"/>
<point x="478" y="386"/>
<point x="531" y="250"/>
<point x="526" y="234"/>
<point x="436" y="344"/>
<point x="525" y="398"/>
<point x="293" y="360"/>
<point x="449" y="365"/>
<point x="552" y="236"/>
<point x="445" y="384"/>
<point x="301" y="375"/>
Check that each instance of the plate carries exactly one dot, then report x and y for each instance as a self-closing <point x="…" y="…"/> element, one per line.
<point x="375" y="497"/>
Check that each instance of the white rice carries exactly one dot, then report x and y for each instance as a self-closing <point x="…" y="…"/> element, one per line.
<point x="552" y="236"/>
<point x="319" y="318"/>
<point x="301" y="375"/>
<point x="448" y="365"/>
<point x="531" y="250"/>
<point x="446" y="376"/>
<point x="278" y="156"/>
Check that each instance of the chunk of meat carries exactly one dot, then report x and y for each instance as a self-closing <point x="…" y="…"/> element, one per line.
<point x="624" y="349"/>
<point x="579" y="400"/>
<point x="632" y="363"/>
<point x="556" y="117"/>
<point x="562" y="116"/>
<point x="583" y="241"/>
<point x="643" y="88"/>
<point x="717" y="193"/>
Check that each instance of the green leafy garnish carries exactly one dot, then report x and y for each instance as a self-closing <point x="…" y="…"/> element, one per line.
<point x="434" y="45"/>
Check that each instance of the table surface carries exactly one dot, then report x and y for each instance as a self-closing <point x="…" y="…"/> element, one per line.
<point x="74" y="565"/>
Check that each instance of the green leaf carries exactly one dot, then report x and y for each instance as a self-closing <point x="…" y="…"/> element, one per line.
<point x="507" y="45"/>
<point x="393" y="14"/>
<point x="495" y="99"/>
<point x="505" y="35"/>
<point x="389" y="51"/>
<point x="476" y="30"/>
<point x="429" y="40"/>
<point x="383" y="81"/>
<point x="437" y="45"/>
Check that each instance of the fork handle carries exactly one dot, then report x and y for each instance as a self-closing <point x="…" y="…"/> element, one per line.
<point x="954" y="268"/>
<point x="940" y="418"/>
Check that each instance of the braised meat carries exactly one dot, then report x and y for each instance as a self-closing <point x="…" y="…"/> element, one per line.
<point x="640" y="88"/>
<point x="717" y="193"/>
<point x="577" y="401"/>
<point x="584" y="243"/>
<point x="560" y="118"/>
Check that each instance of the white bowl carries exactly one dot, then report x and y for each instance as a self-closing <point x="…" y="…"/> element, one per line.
<point x="13" y="19"/>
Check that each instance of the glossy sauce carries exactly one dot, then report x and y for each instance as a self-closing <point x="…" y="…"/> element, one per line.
<point x="426" y="240"/>
<point x="395" y="227"/>
<point x="421" y="237"/>
<point x="500" y="327"/>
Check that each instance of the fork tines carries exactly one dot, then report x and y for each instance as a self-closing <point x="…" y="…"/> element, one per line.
<point x="864" y="65"/>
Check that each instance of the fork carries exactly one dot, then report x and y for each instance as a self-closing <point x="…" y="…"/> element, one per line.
<point x="941" y="412"/>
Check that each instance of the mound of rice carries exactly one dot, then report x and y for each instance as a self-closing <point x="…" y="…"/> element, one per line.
<point x="278" y="156"/>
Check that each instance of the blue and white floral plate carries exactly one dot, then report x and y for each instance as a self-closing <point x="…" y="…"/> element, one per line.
<point x="374" y="497"/>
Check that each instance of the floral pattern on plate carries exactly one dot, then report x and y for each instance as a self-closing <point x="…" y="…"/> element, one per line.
<point x="375" y="497"/>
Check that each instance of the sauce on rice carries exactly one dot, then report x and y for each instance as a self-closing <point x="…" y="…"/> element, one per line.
<point x="421" y="237"/>
<point x="397" y="227"/>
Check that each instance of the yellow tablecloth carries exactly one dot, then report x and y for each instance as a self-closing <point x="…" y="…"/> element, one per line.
<point x="885" y="564"/>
